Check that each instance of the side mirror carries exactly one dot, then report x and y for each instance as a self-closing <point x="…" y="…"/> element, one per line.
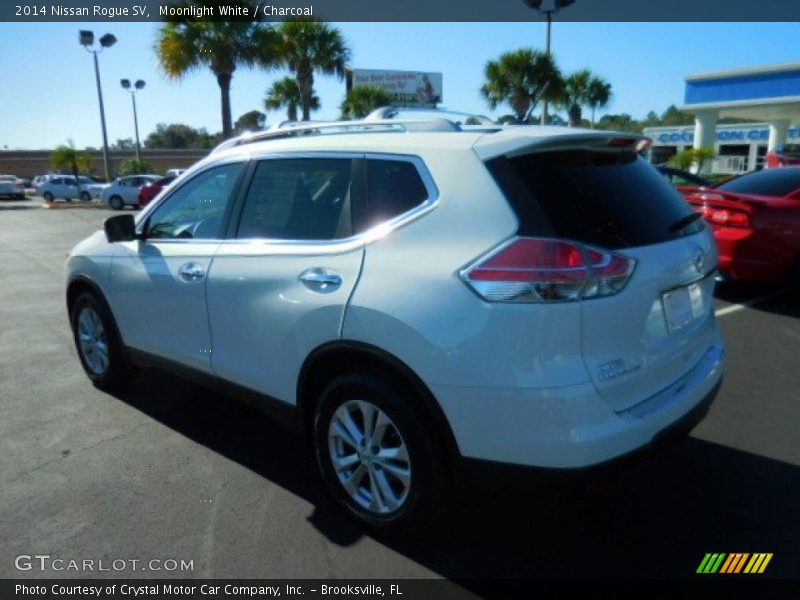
<point x="121" y="228"/>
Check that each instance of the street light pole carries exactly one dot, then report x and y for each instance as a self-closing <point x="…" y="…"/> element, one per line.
<point x="106" y="167"/>
<point x="547" y="12"/>
<point x="86" y="39"/>
<point x="126" y="85"/>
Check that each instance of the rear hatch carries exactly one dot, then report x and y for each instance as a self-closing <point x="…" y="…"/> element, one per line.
<point x="596" y="192"/>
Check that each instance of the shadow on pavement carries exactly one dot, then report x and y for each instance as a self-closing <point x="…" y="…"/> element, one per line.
<point x="778" y="299"/>
<point x="18" y="206"/>
<point x="656" y="519"/>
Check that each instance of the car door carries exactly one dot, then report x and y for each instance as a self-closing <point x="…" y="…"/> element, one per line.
<point x="129" y="187"/>
<point x="70" y="188"/>
<point x="279" y="288"/>
<point x="158" y="284"/>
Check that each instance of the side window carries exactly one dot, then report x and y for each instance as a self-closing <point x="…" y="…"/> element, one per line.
<point x="393" y="188"/>
<point x="57" y="181"/>
<point x="298" y="199"/>
<point x="196" y="209"/>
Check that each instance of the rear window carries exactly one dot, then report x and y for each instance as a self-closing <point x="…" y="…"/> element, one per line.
<point x="772" y="182"/>
<point x="609" y="199"/>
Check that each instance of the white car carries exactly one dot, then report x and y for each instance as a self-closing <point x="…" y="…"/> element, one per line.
<point x="414" y="295"/>
<point x="124" y="191"/>
<point x="65" y="186"/>
<point x="12" y="187"/>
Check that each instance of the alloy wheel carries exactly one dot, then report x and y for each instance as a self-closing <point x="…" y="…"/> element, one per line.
<point x="92" y="341"/>
<point x="369" y="457"/>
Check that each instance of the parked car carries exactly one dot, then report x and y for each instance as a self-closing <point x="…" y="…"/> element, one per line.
<point x="418" y="296"/>
<point x="681" y="180"/>
<point x="756" y="223"/>
<point x="66" y="187"/>
<point x="174" y="172"/>
<point x="150" y="191"/>
<point x="11" y="187"/>
<point x="785" y="155"/>
<point x="124" y="191"/>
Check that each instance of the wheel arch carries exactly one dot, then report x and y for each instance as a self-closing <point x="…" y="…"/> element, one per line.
<point x="337" y="357"/>
<point x="83" y="283"/>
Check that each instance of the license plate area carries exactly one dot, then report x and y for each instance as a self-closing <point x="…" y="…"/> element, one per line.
<point x="682" y="306"/>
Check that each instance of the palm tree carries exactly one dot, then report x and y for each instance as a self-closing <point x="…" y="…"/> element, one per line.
<point x="521" y="78"/>
<point x="599" y="94"/>
<point x="309" y="46"/>
<point x="67" y="156"/>
<point x="576" y="95"/>
<point x="362" y="100"/>
<point x="184" y="44"/>
<point x="286" y="93"/>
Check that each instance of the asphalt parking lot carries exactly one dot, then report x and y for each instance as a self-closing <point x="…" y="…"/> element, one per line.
<point x="170" y="470"/>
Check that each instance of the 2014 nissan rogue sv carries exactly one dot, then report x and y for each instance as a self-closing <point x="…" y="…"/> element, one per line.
<point x="415" y="292"/>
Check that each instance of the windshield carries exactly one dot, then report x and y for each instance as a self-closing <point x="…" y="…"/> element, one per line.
<point x="771" y="182"/>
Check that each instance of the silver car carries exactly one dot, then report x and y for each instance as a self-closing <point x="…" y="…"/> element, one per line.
<point x="11" y="187"/>
<point x="124" y="191"/>
<point x="414" y="295"/>
<point x="66" y="187"/>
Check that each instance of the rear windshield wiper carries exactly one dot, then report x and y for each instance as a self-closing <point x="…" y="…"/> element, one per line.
<point x="684" y="221"/>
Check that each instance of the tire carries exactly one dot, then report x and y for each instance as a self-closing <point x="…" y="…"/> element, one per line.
<point x="86" y="196"/>
<point x="409" y="478"/>
<point x="48" y="197"/>
<point x="97" y="342"/>
<point x="116" y="202"/>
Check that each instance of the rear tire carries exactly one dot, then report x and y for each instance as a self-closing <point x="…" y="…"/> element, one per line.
<point x="378" y="456"/>
<point x="116" y="203"/>
<point x="97" y="342"/>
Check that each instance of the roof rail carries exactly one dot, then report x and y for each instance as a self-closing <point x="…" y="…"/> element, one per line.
<point x="390" y="112"/>
<point x="295" y="128"/>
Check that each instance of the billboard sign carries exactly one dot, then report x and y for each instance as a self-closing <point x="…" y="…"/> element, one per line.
<point x="408" y="88"/>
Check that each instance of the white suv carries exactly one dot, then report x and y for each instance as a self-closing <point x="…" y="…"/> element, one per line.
<point x="412" y="294"/>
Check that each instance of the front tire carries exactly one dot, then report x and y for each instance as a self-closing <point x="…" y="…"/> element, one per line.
<point x="48" y="197"/>
<point x="85" y="196"/>
<point x="378" y="455"/>
<point x="98" y="344"/>
<point x="116" y="203"/>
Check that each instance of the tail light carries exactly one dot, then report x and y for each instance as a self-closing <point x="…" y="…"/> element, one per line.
<point x="726" y="217"/>
<point x="547" y="270"/>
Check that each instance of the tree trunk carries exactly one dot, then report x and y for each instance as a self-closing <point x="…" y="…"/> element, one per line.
<point x="575" y="116"/>
<point x="291" y="111"/>
<point x="593" y="117"/>
<point x="305" y="81"/>
<point x="224" y="81"/>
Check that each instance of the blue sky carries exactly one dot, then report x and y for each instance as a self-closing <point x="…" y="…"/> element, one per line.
<point x="49" y="91"/>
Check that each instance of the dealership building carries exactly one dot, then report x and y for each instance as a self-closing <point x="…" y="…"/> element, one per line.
<point x="768" y="95"/>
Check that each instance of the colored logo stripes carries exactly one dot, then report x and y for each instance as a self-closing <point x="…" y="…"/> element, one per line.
<point x="737" y="562"/>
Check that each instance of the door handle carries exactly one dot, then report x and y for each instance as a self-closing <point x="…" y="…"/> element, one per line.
<point x="192" y="272"/>
<point x="322" y="281"/>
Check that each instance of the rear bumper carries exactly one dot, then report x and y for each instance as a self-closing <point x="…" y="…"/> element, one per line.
<point x="573" y="427"/>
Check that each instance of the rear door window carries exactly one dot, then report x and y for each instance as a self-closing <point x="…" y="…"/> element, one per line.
<point x="298" y="199"/>
<point x="608" y="199"/>
<point x="394" y="187"/>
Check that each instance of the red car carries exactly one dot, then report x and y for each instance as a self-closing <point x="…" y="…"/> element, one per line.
<point x="784" y="156"/>
<point x="756" y="223"/>
<point x="148" y="192"/>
